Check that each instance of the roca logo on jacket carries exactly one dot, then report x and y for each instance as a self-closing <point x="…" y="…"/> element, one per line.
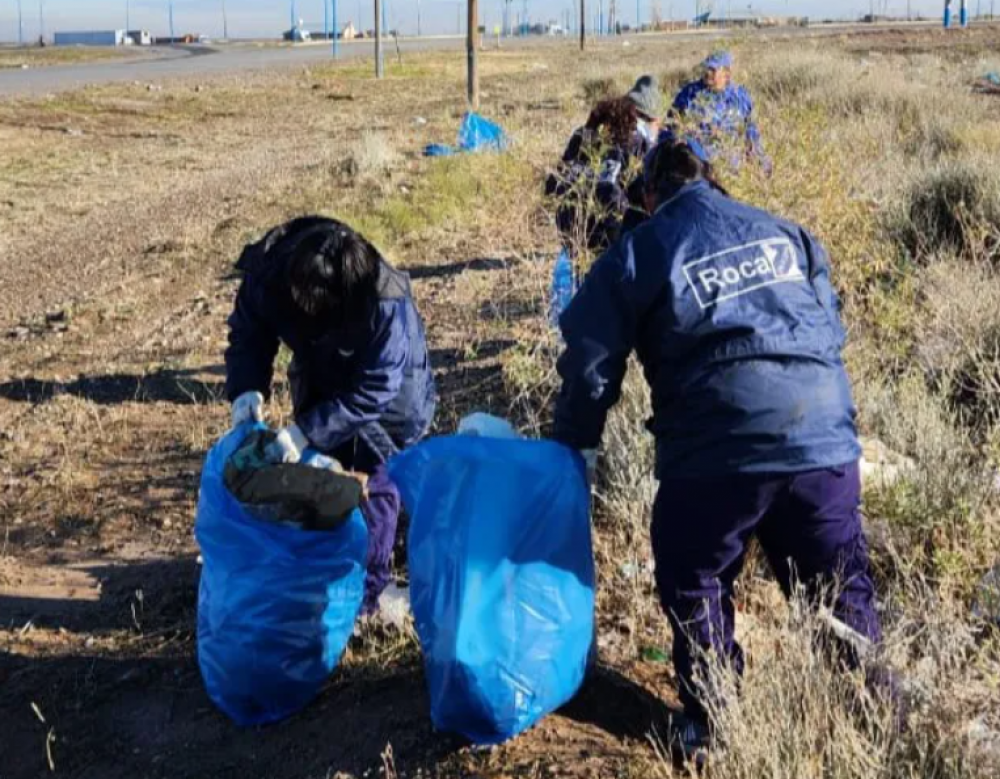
<point x="742" y="269"/>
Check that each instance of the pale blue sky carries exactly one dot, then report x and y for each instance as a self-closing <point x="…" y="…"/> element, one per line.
<point x="258" y="18"/>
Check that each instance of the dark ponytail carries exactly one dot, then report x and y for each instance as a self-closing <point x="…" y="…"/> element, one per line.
<point x="672" y="164"/>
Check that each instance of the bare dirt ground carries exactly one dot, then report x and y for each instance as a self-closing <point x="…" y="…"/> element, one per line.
<point x="122" y="211"/>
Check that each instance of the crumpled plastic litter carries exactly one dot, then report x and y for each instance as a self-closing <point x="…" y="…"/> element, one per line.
<point x="475" y="134"/>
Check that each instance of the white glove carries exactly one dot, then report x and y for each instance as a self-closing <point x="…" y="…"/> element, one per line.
<point x="288" y="446"/>
<point x="248" y="407"/>
<point x="590" y="458"/>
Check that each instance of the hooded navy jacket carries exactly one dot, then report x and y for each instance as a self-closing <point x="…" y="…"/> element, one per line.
<point x="732" y="315"/>
<point x="347" y="377"/>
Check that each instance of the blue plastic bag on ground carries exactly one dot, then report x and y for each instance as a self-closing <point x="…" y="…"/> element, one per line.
<point x="438" y="150"/>
<point x="477" y="134"/>
<point x="474" y="134"/>
<point x="501" y="578"/>
<point x="276" y="604"/>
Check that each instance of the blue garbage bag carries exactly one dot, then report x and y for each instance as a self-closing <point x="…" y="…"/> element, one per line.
<point x="477" y="134"/>
<point x="474" y="134"/>
<point x="276" y="604"/>
<point x="501" y="578"/>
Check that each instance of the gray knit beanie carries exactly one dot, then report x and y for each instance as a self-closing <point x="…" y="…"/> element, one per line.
<point x="645" y="96"/>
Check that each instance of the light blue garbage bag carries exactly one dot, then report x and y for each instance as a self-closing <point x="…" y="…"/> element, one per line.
<point x="478" y="134"/>
<point x="501" y="579"/>
<point x="276" y="604"/>
<point x="475" y="134"/>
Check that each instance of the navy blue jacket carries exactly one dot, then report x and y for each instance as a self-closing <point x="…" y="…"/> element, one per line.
<point x="345" y="375"/>
<point x="732" y="315"/>
<point x="582" y="177"/>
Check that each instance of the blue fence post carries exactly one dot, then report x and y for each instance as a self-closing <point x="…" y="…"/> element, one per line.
<point x="336" y="35"/>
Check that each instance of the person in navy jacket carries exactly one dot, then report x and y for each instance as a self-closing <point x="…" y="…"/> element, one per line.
<point x="732" y="315"/>
<point x="360" y="375"/>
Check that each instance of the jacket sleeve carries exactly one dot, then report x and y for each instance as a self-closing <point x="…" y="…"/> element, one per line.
<point x="599" y="329"/>
<point x="376" y="382"/>
<point x="253" y="345"/>
<point x="682" y="102"/>
<point x="819" y="277"/>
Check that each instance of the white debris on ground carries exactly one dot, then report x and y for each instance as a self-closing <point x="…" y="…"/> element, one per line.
<point x="880" y="466"/>
<point x="394" y="606"/>
<point x="487" y="426"/>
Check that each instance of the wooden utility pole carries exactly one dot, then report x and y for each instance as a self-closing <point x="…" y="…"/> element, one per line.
<point x="473" y="46"/>
<point x="379" y="63"/>
<point x="583" y="24"/>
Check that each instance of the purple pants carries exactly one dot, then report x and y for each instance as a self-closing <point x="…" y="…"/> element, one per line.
<point x="381" y="513"/>
<point x="809" y="526"/>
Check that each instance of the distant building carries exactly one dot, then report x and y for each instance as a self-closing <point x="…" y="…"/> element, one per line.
<point x="188" y="38"/>
<point x="139" y="38"/>
<point x="297" y="35"/>
<point x="349" y="33"/>
<point x="90" y="38"/>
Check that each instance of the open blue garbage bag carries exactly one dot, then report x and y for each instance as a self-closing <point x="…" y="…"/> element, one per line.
<point x="475" y="134"/>
<point x="276" y="604"/>
<point x="501" y="578"/>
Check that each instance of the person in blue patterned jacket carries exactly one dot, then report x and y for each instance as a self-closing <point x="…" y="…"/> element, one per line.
<point x="722" y="110"/>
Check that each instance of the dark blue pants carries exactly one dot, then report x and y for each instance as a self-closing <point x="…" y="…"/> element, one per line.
<point x="381" y="513"/>
<point x="809" y="526"/>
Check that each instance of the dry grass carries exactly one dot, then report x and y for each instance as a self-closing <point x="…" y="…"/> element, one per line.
<point x="178" y="180"/>
<point x="18" y="57"/>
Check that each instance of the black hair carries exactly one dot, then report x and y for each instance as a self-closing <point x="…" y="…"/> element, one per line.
<point x="672" y="164"/>
<point x="332" y="271"/>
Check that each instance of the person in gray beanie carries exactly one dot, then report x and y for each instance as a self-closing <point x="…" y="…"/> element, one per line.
<point x="590" y="187"/>
<point x="648" y="102"/>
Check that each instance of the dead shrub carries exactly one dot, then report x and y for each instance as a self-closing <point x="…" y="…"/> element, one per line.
<point x="952" y="208"/>
<point x="958" y="338"/>
<point x="601" y="88"/>
<point x="797" y="713"/>
<point x="673" y="79"/>
<point x="372" y="157"/>
<point x="938" y="519"/>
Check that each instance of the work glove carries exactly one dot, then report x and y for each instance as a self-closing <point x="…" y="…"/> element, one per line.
<point x="248" y="407"/>
<point x="287" y="446"/>
<point x="590" y="459"/>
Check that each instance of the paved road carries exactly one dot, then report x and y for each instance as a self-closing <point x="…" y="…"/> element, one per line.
<point x="206" y="60"/>
<point x="191" y="61"/>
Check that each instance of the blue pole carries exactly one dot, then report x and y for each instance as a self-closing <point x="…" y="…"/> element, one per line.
<point x="638" y="16"/>
<point x="171" y="9"/>
<point x="947" y="14"/>
<point x="963" y="15"/>
<point x="336" y="37"/>
<point x="326" y="20"/>
<point x="128" y="17"/>
<point x="294" y="20"/>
